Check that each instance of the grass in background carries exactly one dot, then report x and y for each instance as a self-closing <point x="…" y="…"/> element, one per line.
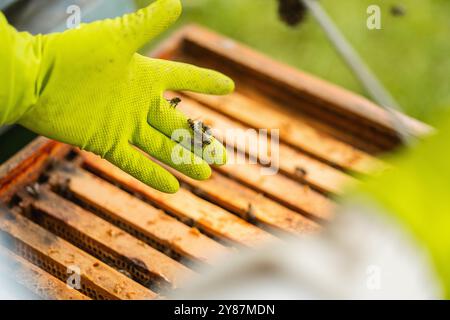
<point x="410" y="55"/>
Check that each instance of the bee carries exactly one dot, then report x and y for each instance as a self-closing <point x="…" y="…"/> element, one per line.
<point x="196" y="127"/>
<point x="292" y="12"/>
<point x="301" y="172"/>
<point x="250" y="214"/>
<point x="205" y="128"/>
<point x="207" y="132"/>
<point x="201" y="132"/>
<point x="193" y="124"/>
<point x="398" y="11"/>
<point x="174" y="102"/>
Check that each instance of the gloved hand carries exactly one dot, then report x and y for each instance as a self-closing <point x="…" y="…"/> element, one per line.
<point x="89" y="88"/>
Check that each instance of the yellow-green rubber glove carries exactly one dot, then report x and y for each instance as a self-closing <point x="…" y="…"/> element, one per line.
<point x="89" y="88"/>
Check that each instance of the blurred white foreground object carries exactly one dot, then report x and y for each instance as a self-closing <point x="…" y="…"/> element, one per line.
<point x="361" y="255"/>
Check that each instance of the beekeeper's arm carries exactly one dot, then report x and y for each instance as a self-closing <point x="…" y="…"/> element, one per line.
<point x="88" y="87"/>
<point x="416" y="194"/>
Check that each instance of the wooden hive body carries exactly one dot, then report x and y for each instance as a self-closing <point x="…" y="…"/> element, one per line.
<point x="63" y="208"/>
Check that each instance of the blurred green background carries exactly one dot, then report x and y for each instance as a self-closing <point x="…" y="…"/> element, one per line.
<point x="410" y="54"/>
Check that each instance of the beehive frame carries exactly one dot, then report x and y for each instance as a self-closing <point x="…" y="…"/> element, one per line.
<point x="63" y="207"/>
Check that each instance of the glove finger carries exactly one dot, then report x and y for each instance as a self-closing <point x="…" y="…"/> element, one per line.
<point x="138" y="28"/>
<point x="173" y="123"/>
<point x="132" y="161"/>
<point x="171" y="153"/>
<point x="182" y="76"/>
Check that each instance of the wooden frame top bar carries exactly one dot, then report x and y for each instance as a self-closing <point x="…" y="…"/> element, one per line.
<point x="281" y="81"/>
